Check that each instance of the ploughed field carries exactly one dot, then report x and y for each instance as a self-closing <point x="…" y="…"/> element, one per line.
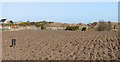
<point x="60" y="45"/>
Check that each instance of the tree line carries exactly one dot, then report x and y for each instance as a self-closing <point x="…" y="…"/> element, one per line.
<point x="101" y="25"/>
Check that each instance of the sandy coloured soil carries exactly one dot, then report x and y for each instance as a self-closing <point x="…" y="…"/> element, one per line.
<point x="60" y="45"/>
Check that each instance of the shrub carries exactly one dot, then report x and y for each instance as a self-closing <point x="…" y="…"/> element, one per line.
<point x="104" y="26"/>
<point x="37" y="24"/>
<point x="42" y="26"/>
<point x="84" y="29"/>
<point x="72" y="28"/>
<point x="24" y="24"/>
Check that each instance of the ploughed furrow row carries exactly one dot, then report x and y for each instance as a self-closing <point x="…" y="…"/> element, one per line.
<point x="61" y="45"/>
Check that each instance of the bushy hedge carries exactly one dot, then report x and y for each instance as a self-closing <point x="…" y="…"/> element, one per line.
<point x="24" y="24"/>
<point x="104" y="26"/>
<point x="83" y="29"/>
<point x="72" y="28"/>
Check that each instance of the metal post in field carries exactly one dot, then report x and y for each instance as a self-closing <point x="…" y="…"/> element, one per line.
<point x="13" y="42"/>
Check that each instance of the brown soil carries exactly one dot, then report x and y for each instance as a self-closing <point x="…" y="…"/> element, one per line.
<point x="60" y="45"/>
